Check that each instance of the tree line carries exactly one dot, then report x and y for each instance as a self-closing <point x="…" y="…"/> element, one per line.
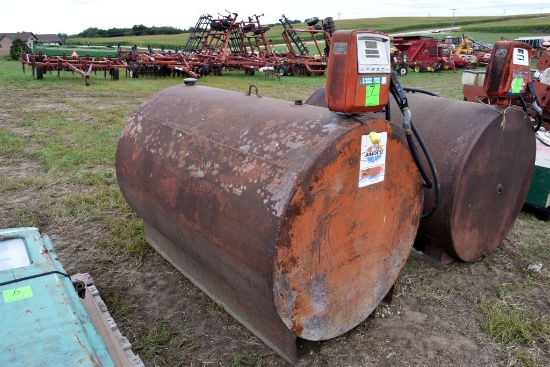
<point x="136" y="30"/>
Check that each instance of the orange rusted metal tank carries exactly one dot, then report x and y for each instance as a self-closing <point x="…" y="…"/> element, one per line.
<point x="267" y="206"/>
<point x="485" y="158"/>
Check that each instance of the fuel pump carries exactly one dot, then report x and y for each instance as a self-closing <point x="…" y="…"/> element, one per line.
<point x="358" y="75"/>
<point x="508" y="76"/>
<point x="509" y="70"/>
<point x="360" y="80"/>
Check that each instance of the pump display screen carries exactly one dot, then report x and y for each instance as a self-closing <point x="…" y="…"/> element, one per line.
<point x="373" y="54"/>
<point x="521" y="56"/>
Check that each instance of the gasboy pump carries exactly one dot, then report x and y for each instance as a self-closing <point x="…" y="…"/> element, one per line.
<point x="360" y="80"/>
<point x="359" y="70"/>
<point x="509" y="76"/>
<point x="509" y="71"/>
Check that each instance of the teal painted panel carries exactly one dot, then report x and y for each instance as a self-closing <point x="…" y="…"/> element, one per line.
<point x="44" y="323"/>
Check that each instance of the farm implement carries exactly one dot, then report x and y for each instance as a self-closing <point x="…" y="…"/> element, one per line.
<point x="215" y="44"/>
<point x="299" y="61"/>
<point x="158" y="64"/>
<point x="424" y="54"/>
<point x="474" y="51"/>
<point x="83" y="66"/>
<point x="224" y="42"/>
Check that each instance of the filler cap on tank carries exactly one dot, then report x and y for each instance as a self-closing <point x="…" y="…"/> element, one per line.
<point x="189" y="81"/>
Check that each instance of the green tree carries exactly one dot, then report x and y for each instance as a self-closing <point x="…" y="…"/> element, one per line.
<point x="63" y="37"/>
<point x="17" y="48"/>
<point x="139" y="30"/>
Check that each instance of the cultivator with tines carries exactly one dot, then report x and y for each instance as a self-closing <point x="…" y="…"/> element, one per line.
<point x="215" y="44"/>
<point x="83" y="66"/>
<point x="160" y="64"/>
<point x="228" y="43"/>
<point x="200" y="31"/>
<point x="294" y="37"/>
<point x="298" y="60"/>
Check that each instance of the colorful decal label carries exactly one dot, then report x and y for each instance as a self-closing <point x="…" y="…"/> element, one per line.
<point x="372" y="166"/>
<point x="17" y="294"/>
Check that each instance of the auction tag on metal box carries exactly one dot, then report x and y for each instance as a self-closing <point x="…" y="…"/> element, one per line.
<point x="17" y="294"/>
<point x="372" y="166"/>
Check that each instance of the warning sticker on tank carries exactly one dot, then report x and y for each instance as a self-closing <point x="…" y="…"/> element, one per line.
<point x="372" y="166"/>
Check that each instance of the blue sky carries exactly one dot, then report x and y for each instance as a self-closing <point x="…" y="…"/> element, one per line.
<point x="74" y="16"/>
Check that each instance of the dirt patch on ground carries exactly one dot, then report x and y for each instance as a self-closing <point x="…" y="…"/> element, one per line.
<point x="434" y="319"/>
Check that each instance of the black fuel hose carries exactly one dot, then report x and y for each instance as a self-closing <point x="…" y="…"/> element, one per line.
<point x="538" y="111"/>
<point x="416" y="157"/>
<point x="399" y="94"/>
<point x="523" y="104"/>
<point x="417" y="90"/>
<point x="534" y="106"/>
<point x="431" y="163"/>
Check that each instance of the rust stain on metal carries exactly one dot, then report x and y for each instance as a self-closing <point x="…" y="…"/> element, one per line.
<point x="485" y="167"/>
<point x="341" y="238"/>
<point x="259" y="205"/>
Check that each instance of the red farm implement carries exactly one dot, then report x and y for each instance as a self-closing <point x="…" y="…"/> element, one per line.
<point x="225" y="42"/>
<point x="158" y="63"/>
<point x="424" y="54"/>
<point x="474" y="51"/>
<point x="83" y="66"/>
<point x="214" y="45"/>
<point x="299" y="60"/>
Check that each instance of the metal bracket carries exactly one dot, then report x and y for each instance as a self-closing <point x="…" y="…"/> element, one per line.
<point x="80" y="288"/>
<point x="250" y="90"/>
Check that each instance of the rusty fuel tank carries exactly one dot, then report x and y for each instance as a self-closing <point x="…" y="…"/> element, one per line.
<point x="268" y="207"/>
<point x="485" y="159"/>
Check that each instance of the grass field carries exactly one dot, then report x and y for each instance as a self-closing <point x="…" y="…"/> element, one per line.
<point x="388" y="25"/>
<point x="58" y="141"/>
